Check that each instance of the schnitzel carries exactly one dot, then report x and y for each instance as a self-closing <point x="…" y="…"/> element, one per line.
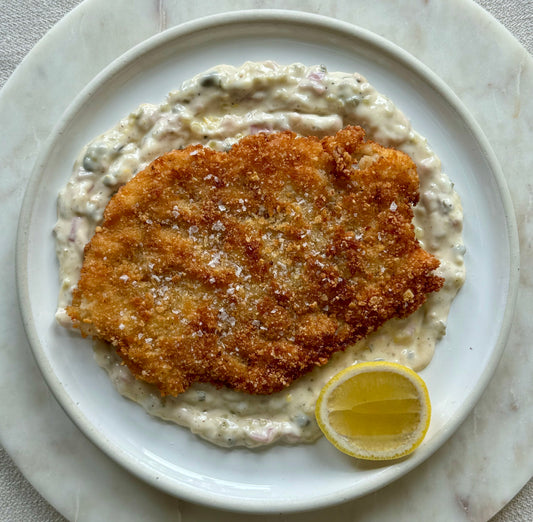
<point x="250" y="267"/>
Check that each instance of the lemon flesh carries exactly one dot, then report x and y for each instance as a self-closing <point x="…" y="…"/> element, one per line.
<point x="375" y="410"/>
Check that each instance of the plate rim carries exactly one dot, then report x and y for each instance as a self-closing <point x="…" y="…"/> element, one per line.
<point x="186" y="29"/>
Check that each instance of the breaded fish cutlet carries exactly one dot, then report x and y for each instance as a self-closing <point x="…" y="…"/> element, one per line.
<point x="249" y="268"/>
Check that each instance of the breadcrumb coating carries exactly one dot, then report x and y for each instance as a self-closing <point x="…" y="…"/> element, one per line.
<point x="248" y="268"/>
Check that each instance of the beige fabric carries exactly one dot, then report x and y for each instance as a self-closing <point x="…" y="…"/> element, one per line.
<point x="517" y="17"/>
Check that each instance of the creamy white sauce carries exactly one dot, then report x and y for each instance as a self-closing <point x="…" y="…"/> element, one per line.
<point x="216" y="109"/>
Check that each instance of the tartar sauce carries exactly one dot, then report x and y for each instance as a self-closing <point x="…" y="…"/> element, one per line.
<point x="216" y="109"/>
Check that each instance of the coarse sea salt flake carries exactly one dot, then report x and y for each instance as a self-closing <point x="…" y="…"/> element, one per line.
<point x="393" y="206"/>
<point x="214" y="260"/>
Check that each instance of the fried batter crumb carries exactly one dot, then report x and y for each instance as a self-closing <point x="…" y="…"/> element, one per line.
<point x="248" y="268"/>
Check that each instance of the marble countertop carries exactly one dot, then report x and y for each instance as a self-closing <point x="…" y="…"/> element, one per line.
<point x="479" y="470"/>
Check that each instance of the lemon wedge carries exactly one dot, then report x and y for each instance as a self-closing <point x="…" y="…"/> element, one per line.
<point x="374" y="410"/>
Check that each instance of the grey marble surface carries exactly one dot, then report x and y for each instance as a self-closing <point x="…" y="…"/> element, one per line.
<point x="22" y="24"/>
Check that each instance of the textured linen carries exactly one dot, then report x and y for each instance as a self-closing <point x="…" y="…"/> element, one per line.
<point x="22" y="24"/>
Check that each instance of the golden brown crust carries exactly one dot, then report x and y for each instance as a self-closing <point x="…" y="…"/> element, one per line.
<point x="249" y="268"/>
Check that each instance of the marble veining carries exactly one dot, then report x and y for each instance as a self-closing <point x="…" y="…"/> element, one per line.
<point x="482" y="465"/>
<point x="162" y="12"/>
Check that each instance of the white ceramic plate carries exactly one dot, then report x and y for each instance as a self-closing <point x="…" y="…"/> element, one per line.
<point x="279" y="478"/>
